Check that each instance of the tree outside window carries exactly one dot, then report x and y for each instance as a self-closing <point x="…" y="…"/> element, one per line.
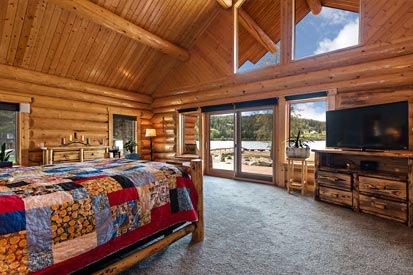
<point x="8" y="129"/>
<point x="124" y="129"/>
<point x="309" y="117"/>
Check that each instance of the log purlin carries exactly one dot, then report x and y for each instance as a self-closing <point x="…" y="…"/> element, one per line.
<point x="56" y="113"/>
<point x="370" y="74"/>
<point x="101" y="16"/>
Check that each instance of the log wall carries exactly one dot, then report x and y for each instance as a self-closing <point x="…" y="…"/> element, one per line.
<point x="378" y="70"/>
<point x="61" y="106"/>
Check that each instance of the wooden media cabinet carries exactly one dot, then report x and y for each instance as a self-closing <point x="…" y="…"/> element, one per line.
<point x="378" y="183"/>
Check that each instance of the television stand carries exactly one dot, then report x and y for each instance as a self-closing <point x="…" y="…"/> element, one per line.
<point x="349" y="179"/>
<point x="372" y="150"/>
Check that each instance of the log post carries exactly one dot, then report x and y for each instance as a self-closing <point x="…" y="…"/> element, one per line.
<point x="197" y="179"/>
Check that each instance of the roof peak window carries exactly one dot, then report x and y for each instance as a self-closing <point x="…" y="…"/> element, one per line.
<point x="258" y="36"/>
<point x="331" y="29"/>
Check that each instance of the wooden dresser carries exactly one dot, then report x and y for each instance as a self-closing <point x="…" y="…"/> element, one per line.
<point x="73" y="154"/>
<point x="379" y="183"/>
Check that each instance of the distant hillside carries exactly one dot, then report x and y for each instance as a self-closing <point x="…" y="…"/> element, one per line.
<point x="313" y="129"/>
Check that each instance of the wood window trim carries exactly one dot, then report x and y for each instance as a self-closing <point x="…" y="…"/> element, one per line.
<point x="180" y="140"/>
<point x="22" y="127"/>
<point x="120" y="111"/>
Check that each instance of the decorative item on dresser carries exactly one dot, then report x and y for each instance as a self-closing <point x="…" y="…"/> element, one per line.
<point x="53" y="155"/>
<point x="379" y="183"/>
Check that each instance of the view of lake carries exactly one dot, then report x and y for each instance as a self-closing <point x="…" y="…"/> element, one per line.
<point x="258" y="145"/>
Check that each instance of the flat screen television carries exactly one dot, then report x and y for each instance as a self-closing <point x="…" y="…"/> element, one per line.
<point x="376" y="127"/>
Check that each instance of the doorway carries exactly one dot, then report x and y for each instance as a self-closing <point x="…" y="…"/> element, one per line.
<point x="240" y="143"/>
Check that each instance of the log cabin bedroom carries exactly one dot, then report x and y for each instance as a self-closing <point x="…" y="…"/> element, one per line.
<point x="206" y="137"/>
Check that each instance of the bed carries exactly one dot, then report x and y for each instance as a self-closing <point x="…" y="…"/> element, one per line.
<point x="60" y="218"/>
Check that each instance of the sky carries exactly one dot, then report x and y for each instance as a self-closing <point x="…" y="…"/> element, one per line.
<point x="313" y="110"/>
<point x="330" y="30"/>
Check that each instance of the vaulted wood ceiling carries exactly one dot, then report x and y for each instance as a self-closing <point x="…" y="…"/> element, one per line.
<point x="41" y="36"/>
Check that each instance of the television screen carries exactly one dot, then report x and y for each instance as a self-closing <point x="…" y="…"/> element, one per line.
<point x="377" y="127"/>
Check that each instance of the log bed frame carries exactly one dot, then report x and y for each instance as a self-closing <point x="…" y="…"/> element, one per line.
<point x="196" y="228"/>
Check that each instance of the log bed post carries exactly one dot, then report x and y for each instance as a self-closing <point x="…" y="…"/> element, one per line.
<point x="197" y="179"/>
<point x="196" y="228"/>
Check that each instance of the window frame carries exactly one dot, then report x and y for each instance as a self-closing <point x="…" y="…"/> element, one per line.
<point x="17" y="134"/>
<point x="181" y="134"/>
<point x="288" y="119"/>
<point x="294" y="38"/>
<point x="135" y="126"/>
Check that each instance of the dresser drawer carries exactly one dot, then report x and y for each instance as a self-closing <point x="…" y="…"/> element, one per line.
<point x="95" y="154"/>
<point x="334" y="180"/>
<point x="383" y="188"/>
<point x="388" y="209"/>
<point x="336" y="196"/>
<point x="67" y="156"/>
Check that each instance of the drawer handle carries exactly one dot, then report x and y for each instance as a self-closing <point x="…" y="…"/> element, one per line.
<point x="378" y="205"/>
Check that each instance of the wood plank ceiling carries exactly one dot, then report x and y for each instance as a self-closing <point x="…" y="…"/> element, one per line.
<point x="40" y="36"/>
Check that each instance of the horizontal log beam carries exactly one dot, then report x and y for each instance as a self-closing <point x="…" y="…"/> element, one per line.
<point x="7" y="96"/>
<point x="256" y="31"/>
<point x="39" y="78"/>
<point x="357" y="55"/>
<point x="323" y="78"/>
<point x="101" y="16"/>
<point x="391" y="81"/>
<point x="315" y="6"/>
<point x="35" y="89"/>
<point x="42" y="133"/>
<point x="63" y="114"/>
<point x="67" y="124"/>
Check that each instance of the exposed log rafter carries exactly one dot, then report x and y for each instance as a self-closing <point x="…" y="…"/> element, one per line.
<point x="315" y="6"/>
<point x="255" y="31"/>
<point x="101" y="16"/>
<point x="226" y="4"/>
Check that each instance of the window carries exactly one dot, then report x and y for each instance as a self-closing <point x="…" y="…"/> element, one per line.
<point x="124" y="129"/>
<point x="8" y="128"/>
<point x="330" y="30"/>
<point x="189" y="133"/>
<point x="309" y="117"/>
<point x="258" y="35"/>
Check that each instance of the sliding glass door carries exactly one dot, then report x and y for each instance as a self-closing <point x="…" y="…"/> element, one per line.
<point x="254" y="156"/>
<point x="240" y="144"/>
<point x="222" y="143"/>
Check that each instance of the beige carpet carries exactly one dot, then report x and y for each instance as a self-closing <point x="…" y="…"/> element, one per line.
<point x="260" y="229"/>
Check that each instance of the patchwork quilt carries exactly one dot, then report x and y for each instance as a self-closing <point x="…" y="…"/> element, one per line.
<point x="57" y="218"/>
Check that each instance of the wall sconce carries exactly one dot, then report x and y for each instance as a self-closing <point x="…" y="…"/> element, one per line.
<point x="150" y="133"/>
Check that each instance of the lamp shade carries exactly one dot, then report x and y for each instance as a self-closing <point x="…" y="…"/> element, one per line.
<point x="150" y="133"/>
